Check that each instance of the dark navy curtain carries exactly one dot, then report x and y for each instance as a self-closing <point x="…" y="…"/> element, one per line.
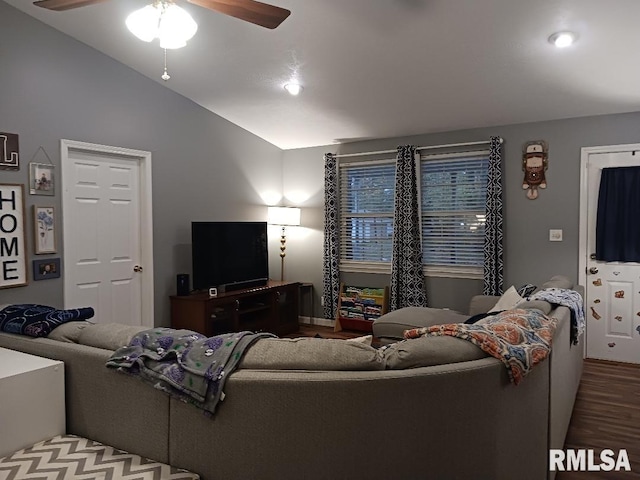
<point x="331" y="255"/>
<point x="493" y="248"/>
<point x="407" y="279"/>
<point x="618" y="222"/>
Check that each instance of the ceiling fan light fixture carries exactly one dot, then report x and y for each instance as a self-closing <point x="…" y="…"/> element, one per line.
<point x="143" y="23"/>
<point x="293" y="88"/>
<point x="562" y="39"/>
<point x="176" y="27"/>
<point x="165" y="21"/>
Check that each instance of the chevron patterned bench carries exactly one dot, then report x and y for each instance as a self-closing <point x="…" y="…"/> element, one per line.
<point x="67" y="457"/>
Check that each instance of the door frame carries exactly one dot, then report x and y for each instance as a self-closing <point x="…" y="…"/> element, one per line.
<point x="143" y="158"/>
<point x="584" y="214"/>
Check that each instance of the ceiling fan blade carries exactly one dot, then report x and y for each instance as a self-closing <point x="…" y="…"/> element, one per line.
<point x="60" y="5"/>
<point x="268" y="16"/>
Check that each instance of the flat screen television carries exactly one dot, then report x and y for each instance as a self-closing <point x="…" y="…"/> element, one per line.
<point x="229" y="255"/>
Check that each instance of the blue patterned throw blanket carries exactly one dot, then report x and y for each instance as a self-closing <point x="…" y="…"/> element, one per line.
<point x="520" y="339"/>
<point x="567" y="298"/>
<point x="38" y="320"/>
<point x="183" y="363"/>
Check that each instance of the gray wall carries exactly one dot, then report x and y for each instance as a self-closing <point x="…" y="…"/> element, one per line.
<point x="204" y="167"/>
<point x="529" y="256"/>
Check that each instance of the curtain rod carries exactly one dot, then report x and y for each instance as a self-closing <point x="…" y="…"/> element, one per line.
<point x="382" y="152"/>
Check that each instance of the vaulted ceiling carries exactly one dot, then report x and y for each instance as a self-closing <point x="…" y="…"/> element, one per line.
<point x="386" y="68"/>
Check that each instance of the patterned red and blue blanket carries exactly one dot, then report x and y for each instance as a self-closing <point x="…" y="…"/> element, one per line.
<point x="518" y="338"/>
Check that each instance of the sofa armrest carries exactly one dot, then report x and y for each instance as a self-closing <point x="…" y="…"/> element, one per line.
<point x="482" y="303"/>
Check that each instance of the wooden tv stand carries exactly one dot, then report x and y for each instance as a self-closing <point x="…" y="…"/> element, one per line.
<point x="270" y="308"/>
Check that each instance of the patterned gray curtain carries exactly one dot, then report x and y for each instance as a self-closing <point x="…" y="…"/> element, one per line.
<point x="493" y="249"/>
<point x="407" y="279"/>
<point x="330" y="271"/>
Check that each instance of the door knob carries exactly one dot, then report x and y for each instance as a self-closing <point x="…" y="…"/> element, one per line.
<point x="137" y="268"/>
<point x="593" y="270"/>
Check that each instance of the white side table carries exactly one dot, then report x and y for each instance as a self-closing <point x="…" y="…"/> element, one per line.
<point x="31" y="400"/>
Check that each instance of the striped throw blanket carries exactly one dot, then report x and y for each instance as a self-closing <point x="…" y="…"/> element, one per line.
<point x="519" y="338"/>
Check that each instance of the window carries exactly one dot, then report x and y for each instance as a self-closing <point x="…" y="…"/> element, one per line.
<point x="366" y="215"/>
<point x="453" y="195"/>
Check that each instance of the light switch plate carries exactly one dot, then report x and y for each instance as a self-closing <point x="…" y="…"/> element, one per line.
<point x="555" y="235"/>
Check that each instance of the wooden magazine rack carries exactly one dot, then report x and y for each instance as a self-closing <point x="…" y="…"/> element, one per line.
<point x="358" y="307"/>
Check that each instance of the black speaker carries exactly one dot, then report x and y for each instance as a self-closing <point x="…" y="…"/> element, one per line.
<point x="182" y="284"/>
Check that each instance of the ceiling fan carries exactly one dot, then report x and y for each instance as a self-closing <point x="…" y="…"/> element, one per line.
<point x="258" y="13"/>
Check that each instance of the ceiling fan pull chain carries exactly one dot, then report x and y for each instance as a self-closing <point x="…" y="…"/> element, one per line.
<point x="165" y="75"/>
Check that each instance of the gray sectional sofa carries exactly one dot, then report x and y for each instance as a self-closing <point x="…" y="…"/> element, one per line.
<point x="432" y="407"/>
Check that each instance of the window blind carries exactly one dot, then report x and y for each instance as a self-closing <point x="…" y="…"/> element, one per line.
<point x="366" y="214"/>
<point x="453" y="195"/>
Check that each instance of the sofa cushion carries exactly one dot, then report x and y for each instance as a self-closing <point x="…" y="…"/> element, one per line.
<point x="311" y="354"/>
<point x="482" y="303"/>
<point x="38" y="320"/>
<point x="558" y="281"/>
<point x="393" y="324"/>
<point x="544" y="307"/>
<point x="68" y="332"/>
<point x="366" y="339"/>
<point x="428" y="351"/>
<point x="109" y="336"/>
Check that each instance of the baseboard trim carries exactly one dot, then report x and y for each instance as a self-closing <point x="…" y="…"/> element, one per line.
<point x="323" y="322"/>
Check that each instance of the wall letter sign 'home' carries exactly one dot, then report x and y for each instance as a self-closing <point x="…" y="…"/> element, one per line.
<point x="13" y="261"/>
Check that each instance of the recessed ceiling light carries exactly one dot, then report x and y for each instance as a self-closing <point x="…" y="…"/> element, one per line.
<point x="562" y="39"/>
<point x="293" y="88"/>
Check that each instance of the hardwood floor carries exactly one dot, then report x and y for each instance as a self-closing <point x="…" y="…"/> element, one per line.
<point x="606" y="413"/>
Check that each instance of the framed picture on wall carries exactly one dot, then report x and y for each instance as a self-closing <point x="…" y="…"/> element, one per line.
<point x="44" y="228"/>
<point x="46" y="268"/>
<point x="41" y="179"/>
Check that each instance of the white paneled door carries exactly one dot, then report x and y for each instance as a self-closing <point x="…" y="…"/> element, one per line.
<point x="612" y="303"/>
<point x="107" y="230"/>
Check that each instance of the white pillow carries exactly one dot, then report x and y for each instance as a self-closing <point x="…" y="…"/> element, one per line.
<point x="508" y="300"/>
